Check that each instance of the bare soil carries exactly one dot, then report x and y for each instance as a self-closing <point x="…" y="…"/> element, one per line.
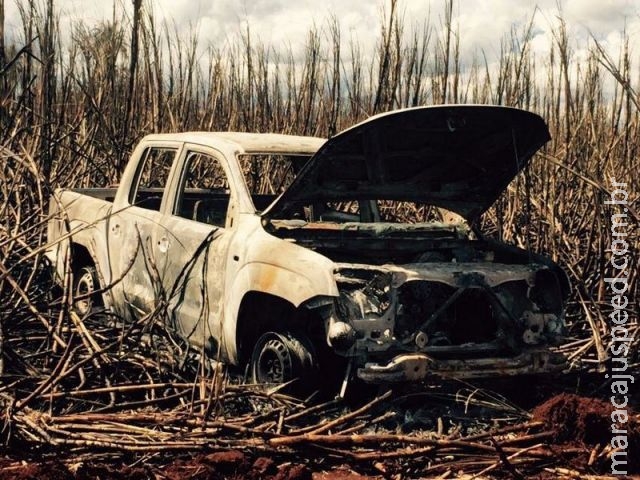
<point x="584" y="421"/>
<point x="227" y="465"/>
<point x="576" y="419"/>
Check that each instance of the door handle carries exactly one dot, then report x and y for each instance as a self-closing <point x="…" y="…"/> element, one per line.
<point x="163" y="244"/>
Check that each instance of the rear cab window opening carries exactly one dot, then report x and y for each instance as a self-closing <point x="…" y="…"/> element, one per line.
<point x="204" y="193"/>
<point x="152" y="177"/>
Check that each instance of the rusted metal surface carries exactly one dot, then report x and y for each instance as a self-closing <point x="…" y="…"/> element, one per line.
<point x="417" y="366"/>
<point x="401" y="301"/>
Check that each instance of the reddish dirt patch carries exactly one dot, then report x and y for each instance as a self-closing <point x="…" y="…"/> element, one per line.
<point x="227" y="465"/>
<point x="217" y="465"/>
<point x="109" y="472"/>
<point x="587" y="421"/>
<point x="293" y="472"/>
<point x="12" y="470"/>
<point x="342" y="474"/>
<point x="264" y="466"/>
<point x="575" y="418"/>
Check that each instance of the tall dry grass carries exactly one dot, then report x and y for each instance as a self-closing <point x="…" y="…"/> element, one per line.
<point x="71" y="113"/>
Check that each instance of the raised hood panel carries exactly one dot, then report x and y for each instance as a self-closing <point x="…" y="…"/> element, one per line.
<point x="458" y="157"/>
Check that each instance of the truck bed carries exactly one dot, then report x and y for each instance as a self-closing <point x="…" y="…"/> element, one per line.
<point x="194" y="198"/>
<point x="108" y="194"/>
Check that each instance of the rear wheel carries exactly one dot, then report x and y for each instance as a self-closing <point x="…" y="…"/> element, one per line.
<point x="85" y="284"/>
<point x="283" y="357"/>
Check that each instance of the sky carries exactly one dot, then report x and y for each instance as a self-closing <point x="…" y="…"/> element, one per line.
<point x="284" y="23"/>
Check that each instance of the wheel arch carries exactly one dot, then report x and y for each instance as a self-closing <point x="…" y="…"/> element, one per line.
<point x="262" y="312"/>
<point x="83" y="256"/>
<point x="259" y="312"/>
<point x="263" y="290"/>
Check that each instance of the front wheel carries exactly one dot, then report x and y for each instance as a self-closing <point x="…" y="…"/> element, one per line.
<point x="85" y="284"/>
<point x="283" y="357"/>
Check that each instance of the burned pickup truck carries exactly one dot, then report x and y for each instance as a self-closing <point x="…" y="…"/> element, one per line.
<point x="305" y="258"/>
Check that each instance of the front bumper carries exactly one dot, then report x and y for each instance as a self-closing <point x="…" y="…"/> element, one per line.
<point x="417" y="366"/>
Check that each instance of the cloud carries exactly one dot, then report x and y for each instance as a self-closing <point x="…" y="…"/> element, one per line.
<point x="277" y="23"/>
<point x="282" y="24"/>
<point x="600" y="16"/>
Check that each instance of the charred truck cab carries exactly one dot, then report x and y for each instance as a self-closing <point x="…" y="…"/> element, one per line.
<point x="297" y="254"/>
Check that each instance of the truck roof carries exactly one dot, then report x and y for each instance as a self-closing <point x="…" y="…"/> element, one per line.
<point x="247" y="142"/>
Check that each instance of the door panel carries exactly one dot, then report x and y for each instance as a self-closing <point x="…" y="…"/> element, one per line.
<point x="131" y="231"/>
<point x="191" y="258"/>
<point x="191" y="245"/>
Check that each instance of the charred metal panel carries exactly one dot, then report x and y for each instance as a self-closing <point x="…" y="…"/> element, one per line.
<point x="421" y="307"/>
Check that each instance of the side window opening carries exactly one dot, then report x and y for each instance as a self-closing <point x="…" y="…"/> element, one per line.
<point x="152" y="177"/>
<point x="204" y="193"/>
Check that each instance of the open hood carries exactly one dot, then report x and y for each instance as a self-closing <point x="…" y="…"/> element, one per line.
<point x="458" y="157"/>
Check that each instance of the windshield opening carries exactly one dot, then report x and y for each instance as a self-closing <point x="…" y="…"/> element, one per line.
<point x="376" y="211"/>
<point x="267" y="175"/>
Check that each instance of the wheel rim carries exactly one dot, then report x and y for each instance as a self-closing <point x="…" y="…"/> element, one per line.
<point x="84" y="287"/>
<point x="274" y="364"/>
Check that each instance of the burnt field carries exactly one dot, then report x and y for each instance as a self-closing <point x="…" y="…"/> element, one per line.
<point x="96" y="397"/>
<point x="132" y="402"/>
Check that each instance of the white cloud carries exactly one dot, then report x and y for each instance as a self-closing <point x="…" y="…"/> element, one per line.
<point x="282" y="23"/>
<point x="599" y="16"/>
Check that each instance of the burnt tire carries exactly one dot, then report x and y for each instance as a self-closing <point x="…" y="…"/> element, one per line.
<point x="284" y="357"/>
<point x="85" y="284"/>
